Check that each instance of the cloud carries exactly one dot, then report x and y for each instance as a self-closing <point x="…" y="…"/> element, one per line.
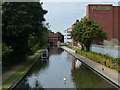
<point x="61" y="15"/>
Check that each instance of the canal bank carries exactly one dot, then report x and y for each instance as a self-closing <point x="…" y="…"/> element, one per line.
<point x="15" y="75"/>
<point x="50" y="73"/>
<point x="110" y="74"/>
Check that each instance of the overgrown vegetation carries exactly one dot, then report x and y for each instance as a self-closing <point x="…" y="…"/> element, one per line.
<point x="23" y="30"/>
<point x="113" y="63"/>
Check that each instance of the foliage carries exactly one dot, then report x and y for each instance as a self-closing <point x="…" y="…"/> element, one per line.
<point x="60" y="37"/>
<point x="86" y="32"/>
<point x="23" y="28"/>
<point x="42" y="39"/>
<point x="99" y="58"/>
<point x="6" y="50"/>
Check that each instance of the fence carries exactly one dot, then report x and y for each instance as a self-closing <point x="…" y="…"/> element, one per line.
<point x="109" y="50"/>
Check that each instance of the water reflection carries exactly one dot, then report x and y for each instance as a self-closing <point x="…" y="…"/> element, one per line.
<point x="55" y="50"/>
<point x="83" y="77"/>
<point x="33" y="82"/>
<point x="32" y="79"/>
<point x="61" y="70"/>
<point x="76" y="63"/>
<point x="45" y="61"/>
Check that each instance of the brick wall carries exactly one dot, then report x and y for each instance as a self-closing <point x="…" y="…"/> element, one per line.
<point x="107" y="16"/>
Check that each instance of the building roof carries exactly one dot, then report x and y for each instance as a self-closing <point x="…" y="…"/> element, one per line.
<point x="68" y="29"/>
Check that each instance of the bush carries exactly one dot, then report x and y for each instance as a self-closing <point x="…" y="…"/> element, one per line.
<point x="113" y="63"/>
<point x="6" y="50"/>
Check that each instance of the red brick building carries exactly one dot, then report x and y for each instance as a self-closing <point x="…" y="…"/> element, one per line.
<point x="53" y="38"/>
<point x="107" y="16"/>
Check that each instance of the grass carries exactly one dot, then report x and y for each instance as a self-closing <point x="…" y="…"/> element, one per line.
<point x="18" y="74"/>
<point x="0" y="85"/>
<point x="113" y="63"/>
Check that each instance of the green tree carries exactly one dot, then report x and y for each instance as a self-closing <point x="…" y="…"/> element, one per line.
<point x="6" y="50"/>
<point x="23" y="28"/>
<point x="60" y="37"/>
<point x="87" y="31"/>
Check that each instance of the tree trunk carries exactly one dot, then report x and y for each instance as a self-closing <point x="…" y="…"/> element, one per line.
<point x="82" y="47"/>
<point x="88" y="46"/>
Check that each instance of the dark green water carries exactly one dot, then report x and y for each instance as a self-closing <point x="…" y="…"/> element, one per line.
<point x="50" y="73"/>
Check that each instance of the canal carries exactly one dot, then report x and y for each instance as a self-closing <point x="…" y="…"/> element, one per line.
<point x="62" y="70"/>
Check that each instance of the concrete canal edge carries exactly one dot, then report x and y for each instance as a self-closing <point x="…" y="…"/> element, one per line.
<point x="37" y="56"/>
<point x="107" y="73"/>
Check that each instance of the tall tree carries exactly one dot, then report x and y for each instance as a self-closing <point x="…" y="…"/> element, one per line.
<point x="21" y="22"/>
<point x="60" y="37"/>
<point x="86" y="32"/>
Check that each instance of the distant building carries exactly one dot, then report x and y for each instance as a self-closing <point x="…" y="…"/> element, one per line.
<point x="107" y="16"/>
<point x="67" y="36"/>
<point x="53" y="38"/>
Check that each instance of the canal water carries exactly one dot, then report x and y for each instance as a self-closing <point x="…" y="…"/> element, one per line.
<point x="62" y="70"/>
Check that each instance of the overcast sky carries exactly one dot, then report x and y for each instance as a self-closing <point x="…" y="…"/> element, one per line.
<point x="61" y="15"/>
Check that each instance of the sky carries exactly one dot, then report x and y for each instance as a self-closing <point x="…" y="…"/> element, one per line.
<point x="61" y="15"/>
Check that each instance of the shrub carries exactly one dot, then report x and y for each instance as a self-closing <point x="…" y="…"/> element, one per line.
<point x="112" y="63"/>
<point x="6" y="50"/>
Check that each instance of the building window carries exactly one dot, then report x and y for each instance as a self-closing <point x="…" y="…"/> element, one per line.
<point x="69" y="38"/>
<point x="68" y="31"/>
<point x="69" y="35"/>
